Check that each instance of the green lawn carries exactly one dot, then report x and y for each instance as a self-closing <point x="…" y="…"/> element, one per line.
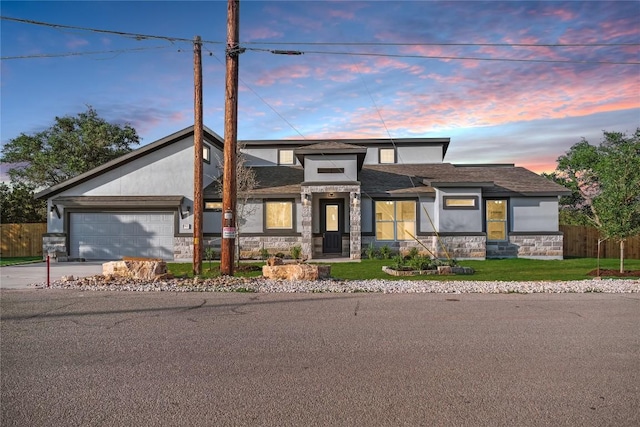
<point x="19" y="260"/>
<point x="499" y="269"/>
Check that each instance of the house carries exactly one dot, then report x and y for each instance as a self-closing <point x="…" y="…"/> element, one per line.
<point x="330" y="197"/>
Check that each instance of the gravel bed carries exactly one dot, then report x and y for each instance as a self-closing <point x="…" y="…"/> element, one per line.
<point x="237" y="284"/>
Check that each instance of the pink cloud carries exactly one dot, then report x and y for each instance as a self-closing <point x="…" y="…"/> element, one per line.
<point x="75" y="43"/>
<point x="261" y="33"/>
<point x="284" y="74"/>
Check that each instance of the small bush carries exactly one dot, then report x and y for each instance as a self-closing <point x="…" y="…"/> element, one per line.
<point x="413" y="253"/>
<point x="264" y="253"/>
<point x="371" y="252"/>
<point x="385" y="252"/>
<point x="296" y="252"/>
<point x="280" y="255"/>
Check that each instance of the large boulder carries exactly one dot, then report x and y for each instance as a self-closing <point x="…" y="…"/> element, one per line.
<point x="296" y="271"/>
<point x="135" y="268"/>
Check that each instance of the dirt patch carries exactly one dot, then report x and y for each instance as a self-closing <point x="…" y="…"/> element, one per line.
<point x="615" y="273"/>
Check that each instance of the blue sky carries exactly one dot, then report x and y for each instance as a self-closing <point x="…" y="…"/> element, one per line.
<point x="495" y="111"/>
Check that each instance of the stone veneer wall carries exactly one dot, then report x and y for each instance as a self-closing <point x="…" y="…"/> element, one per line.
<point x="461" y="247"/>
<point x="457" y="247"/>
<point x="541" y="246"/>
<point x="54" y="242"/>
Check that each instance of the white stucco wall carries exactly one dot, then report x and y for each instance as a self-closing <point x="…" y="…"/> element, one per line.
<point x="533" y="214"/>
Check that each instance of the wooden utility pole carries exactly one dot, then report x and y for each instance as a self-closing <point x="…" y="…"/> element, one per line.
<point x="230" y="139"/>
<point x="198" y="201"/>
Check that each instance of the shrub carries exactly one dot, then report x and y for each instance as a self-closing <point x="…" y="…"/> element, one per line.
<point x="264" y="253"/>
<point x="371" y="252"/>
<point x="296" y="251"/>
<point x="385" y="252"/>
<point x="413" y="253"/>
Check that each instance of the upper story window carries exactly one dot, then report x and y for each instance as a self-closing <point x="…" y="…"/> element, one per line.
<point x="206" y="153"/>
<point x="285" y="157"/>
<point x="387" y="155"/>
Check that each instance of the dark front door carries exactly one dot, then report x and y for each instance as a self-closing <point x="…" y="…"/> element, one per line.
<point x="331" y="226"/>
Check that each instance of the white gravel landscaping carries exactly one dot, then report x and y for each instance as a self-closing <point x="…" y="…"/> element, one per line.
<point x="237" y="284"/>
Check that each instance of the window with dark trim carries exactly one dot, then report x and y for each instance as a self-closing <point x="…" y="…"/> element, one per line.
<point x="496" y="213"/>
<point x="330" y="170"/>
<point x="278" y="215"/>
<point x="206" y="153"/>
<point x="395" y="219"/>
<point x="213" y="205"/>
<point x="387" y="155"/>
<point x="460" y="202"/>
<point x="285" y="157"/>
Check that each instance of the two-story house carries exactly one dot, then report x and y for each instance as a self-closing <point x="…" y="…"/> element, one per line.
<point x="331" y="197"/>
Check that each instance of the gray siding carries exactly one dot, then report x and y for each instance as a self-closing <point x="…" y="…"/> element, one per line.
<point x="534" y="214"/>
<point x="330" y="161"/>
<point x="459" y="220"/>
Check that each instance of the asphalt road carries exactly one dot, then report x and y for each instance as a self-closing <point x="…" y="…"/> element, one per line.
<point x="71" y="358"/>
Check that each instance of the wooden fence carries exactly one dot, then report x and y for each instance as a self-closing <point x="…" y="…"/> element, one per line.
<point x="21" y="239"/>
<point x="580" y="241"/>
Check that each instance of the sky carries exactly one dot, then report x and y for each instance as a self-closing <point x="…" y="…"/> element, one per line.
<point x="509" y="82"/>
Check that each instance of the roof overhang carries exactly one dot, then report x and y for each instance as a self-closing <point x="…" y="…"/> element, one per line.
<point x="119" y="201"/>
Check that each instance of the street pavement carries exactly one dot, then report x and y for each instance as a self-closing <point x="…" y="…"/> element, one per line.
<point x="23" y="275"/>
<point x="73" y="358"/>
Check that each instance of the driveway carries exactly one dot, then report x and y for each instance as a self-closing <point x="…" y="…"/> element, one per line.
<point x="23" y="275"/>
<point x="77" y="358"/>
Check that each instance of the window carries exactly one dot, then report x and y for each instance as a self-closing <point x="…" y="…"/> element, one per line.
<point x="330" y="170"/>
<point x="285" y="157"/>
<point x="496" y="219"/>
<point x="213" y="206"/>
<point x="206" y="153"/>
<point x="387" y="155"/>
<point x="395" y="220"/>
<point x="467" y="202"/>
<point x="279" y="215"/>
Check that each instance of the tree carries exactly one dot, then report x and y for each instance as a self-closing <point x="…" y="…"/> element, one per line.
<point x="245" y="183"/>
<point x="71" y="146"/>
<point x="605" y="181"/>
<point x="19" y="206"/>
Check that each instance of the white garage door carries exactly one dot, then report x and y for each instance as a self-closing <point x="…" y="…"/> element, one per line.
<point x="114" y="235"/>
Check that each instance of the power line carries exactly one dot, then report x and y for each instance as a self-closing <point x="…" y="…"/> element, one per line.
<point x="441" y="44"/>
<point x="97" y="52"/>
<point x="140" y="36"/>
<point x="470" y="58"/>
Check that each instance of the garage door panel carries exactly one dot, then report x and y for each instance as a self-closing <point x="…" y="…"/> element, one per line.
<point x="118" y="234"/>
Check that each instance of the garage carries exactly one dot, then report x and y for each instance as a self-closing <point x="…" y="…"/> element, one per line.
<point x="113" y="235"/>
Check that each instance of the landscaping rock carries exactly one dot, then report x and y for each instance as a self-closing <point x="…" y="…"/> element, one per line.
<point x="135" y="269"/>
<point x="296" y="271"/>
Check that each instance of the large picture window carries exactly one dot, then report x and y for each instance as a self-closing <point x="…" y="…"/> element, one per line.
<point x="496" y="219"/>
<point x="279" y="215"/>
<point x="395" y="220"/>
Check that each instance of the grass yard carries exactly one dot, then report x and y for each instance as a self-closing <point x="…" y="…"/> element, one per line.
<point x="19" y="260"/>
<point x="498" y="269"/>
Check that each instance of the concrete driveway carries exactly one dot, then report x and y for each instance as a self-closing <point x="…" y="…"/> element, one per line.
<point x="23" y="275"/>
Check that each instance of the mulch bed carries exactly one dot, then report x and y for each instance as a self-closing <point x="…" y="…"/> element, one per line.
<point x="615" y="273"/>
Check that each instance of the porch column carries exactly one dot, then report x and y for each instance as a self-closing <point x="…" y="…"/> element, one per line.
<point x="355" y="219"/>
<point x="307" y="235"/>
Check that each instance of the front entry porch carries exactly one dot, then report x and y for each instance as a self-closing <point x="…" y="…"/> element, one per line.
<point x="331" y="221"/>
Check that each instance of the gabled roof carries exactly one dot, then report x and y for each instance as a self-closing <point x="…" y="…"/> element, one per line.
<point x="209" y="135"/>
